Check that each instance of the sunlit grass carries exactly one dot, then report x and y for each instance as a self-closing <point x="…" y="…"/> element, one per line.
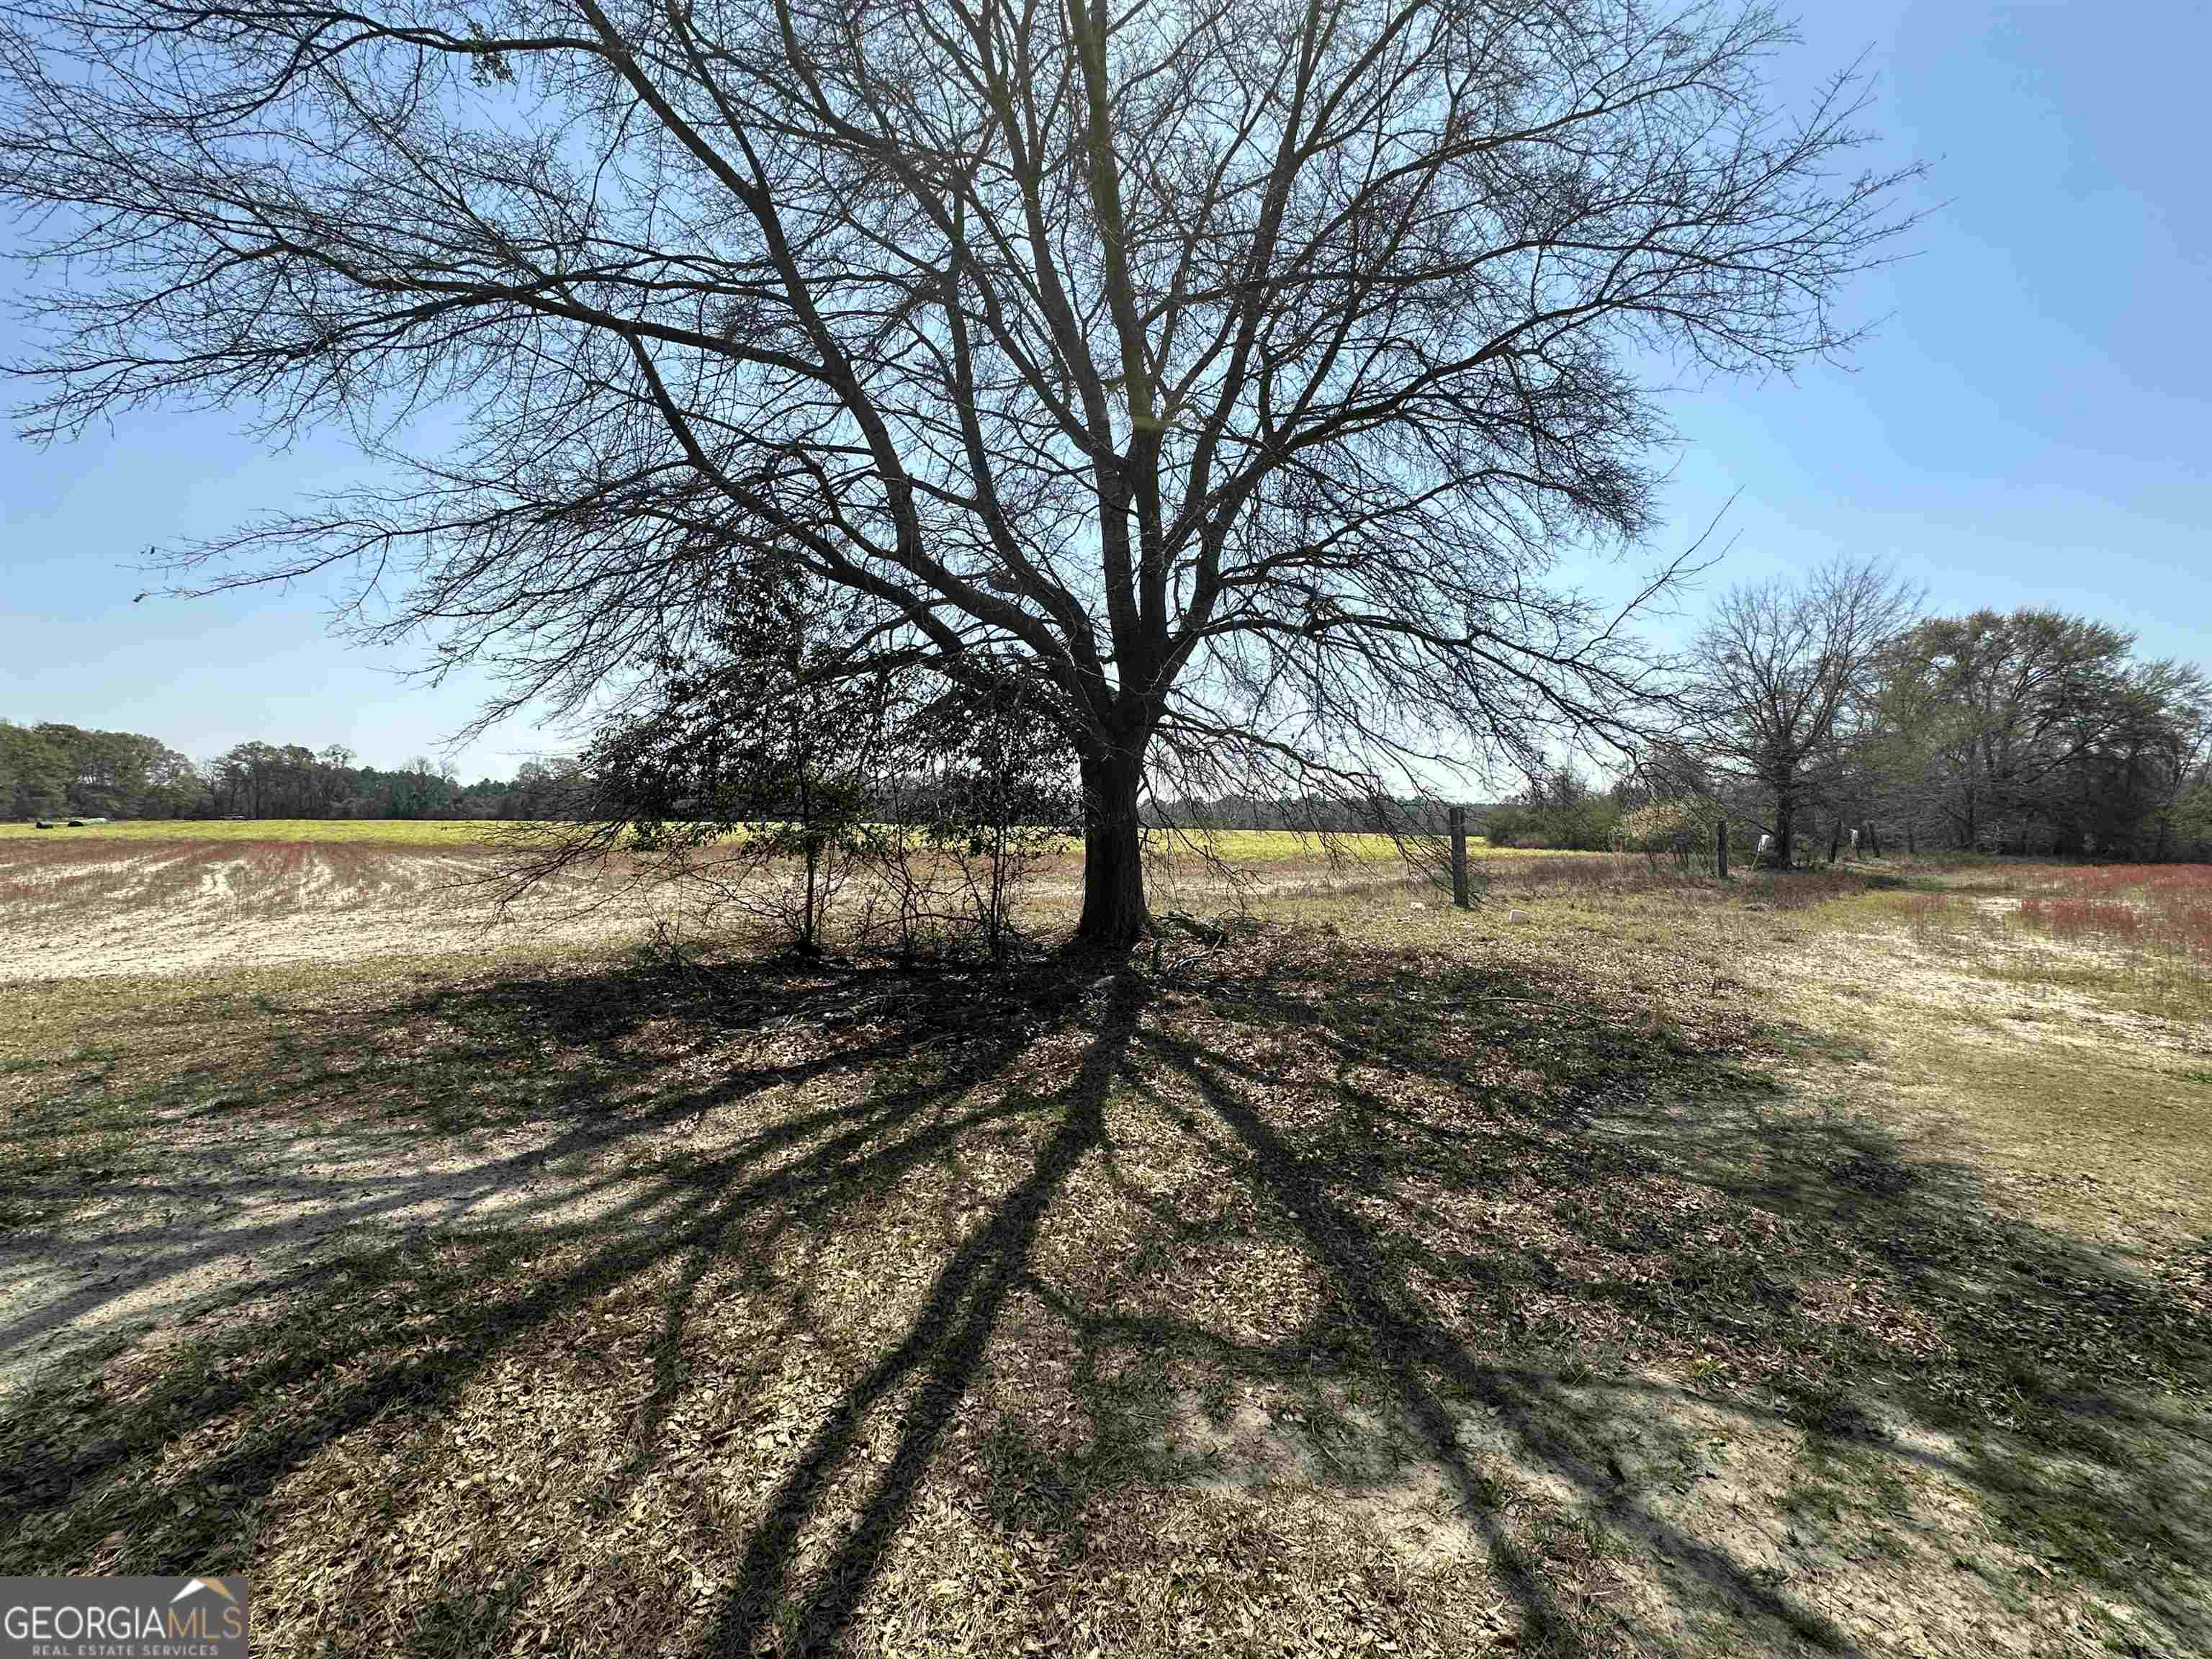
<point x="2165" y="909"/>
<point x="931" y="1265"/>
<point x="1340" y="1243"/>
<point x="1286" y="846"/>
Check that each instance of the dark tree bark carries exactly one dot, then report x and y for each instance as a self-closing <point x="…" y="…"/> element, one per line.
<point x="1114" y="909"/>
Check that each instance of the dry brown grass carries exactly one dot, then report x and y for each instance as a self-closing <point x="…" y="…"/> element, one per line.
<point x="1384" y="1278"/>
<point x="2163" y="909"/>
<point x="2139" y="933"/>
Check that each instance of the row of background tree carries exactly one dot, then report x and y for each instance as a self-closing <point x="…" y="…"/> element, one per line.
<point x="51" y="769"/>
<point x="1815" y="705"/>
<point x="1806" y="707"/>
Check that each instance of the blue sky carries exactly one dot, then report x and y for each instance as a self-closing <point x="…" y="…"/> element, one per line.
<point x="2029" y="426"/>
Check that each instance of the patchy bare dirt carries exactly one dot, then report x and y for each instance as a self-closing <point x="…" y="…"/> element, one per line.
<point x="245" y="1210"/>
<point x="2093" y="1110"/>
<point x="1891" y="973"/>
<point x="218" y="907"/>
<point x="221" y="906"/>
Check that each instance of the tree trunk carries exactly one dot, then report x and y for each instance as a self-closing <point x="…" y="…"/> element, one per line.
<point x="1113" y="915"/>
<point x="809" y="926"/>
<point x="1785" y="815"/>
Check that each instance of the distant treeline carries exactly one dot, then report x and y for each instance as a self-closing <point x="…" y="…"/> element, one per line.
<point x="2031" y="733"/>
<point x="1315" y="814"/>
<point x="52" y="770"/>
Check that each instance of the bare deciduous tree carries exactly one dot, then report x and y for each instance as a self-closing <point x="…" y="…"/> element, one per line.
<point x="1784" y="681"/>
<point x="1239" y="370"/>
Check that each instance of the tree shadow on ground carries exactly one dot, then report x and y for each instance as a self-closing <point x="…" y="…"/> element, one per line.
<point x="1316" y="1294"/>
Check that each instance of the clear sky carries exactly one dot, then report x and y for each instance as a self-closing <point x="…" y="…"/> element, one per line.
<point x="2029" y="426"/>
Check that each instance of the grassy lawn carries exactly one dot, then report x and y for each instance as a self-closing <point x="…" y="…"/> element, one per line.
<point x="1627" y="1267"/>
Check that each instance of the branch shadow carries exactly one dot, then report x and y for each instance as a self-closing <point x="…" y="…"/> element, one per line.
<point x="327" y="1319"/>
<point x="751" y="1304"/>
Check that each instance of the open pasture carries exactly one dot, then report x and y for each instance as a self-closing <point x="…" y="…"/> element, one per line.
<point x="2139" y="933"/>
<point x="96" y="902"/>
<point x="1634" y="1265"/>
<point x="1236" y="846"/>
<point x="138" y="905"/>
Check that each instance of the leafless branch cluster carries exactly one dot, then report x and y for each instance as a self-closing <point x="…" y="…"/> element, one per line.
<point x="1788" y="679"/>
<point x="1242" y="370"/>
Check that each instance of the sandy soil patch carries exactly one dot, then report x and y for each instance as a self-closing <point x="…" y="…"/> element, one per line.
<point x="215" y="909"/>
<point x="1893" y="970"/>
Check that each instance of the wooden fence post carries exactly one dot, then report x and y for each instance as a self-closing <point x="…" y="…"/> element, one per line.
<point x="1459" y="856"/>
<point x="1720" y="848"/>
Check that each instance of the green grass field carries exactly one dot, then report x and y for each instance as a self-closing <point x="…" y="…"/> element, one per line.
<point x="1236" y="846"/>
<point x="1283" y="846"/>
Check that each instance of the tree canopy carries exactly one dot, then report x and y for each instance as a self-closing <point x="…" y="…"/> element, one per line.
<point x="1783" y="683"/>
<point x="1241" y="372"/>
<point x="1828" y="701"/>
<point x="2038" y="729"/>
<point x="52" y="768"/>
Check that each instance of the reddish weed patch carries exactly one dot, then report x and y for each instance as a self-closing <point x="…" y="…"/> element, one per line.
<point x="2163" y="909"/>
